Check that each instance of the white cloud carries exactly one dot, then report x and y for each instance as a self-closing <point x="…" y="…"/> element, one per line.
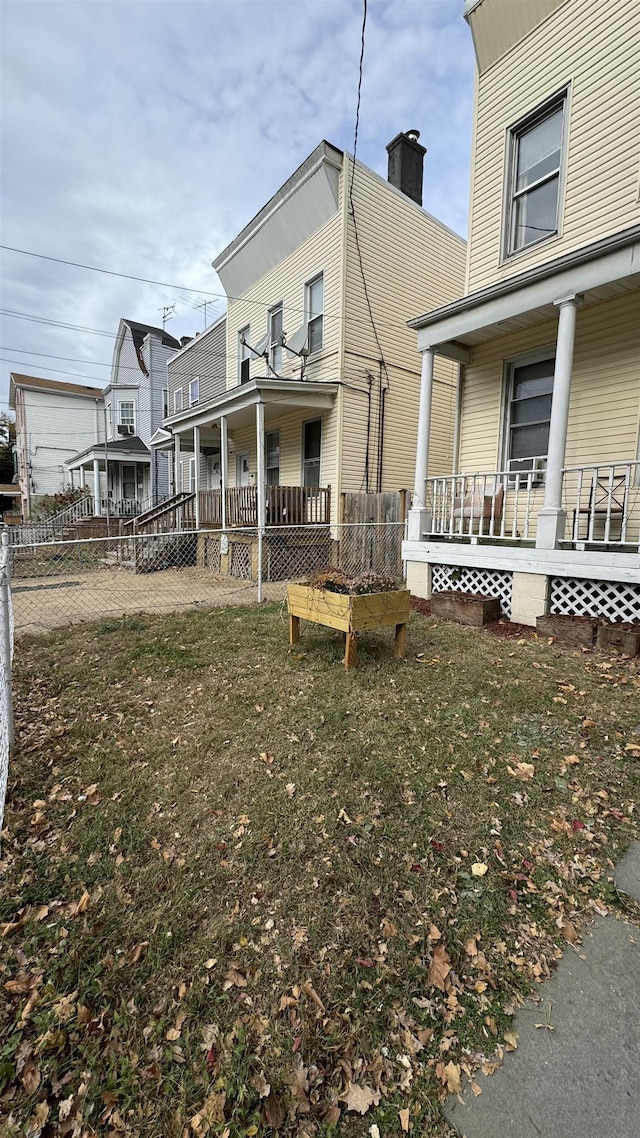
<point x="141" y="137"/>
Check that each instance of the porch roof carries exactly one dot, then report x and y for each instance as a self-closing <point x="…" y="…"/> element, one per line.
<point x="238" y="404"/>
<point x="131" y="449"/>
<point x="599" y="271"/>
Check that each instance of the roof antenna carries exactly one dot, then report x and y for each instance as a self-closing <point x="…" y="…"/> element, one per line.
<point x="167" y="313"/>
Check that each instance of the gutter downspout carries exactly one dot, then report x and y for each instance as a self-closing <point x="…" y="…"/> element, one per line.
<point x="457" y="421"/>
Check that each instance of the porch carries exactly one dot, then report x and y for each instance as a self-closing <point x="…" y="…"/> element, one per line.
<point x="118" y="476"/>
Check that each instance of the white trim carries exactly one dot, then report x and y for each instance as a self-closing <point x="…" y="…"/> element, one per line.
<point x="194" y="402"/>
<point x="594" y="565"/>
<point x="178" y="392"/>
<point x="308" y="317"/>
<point x="509" y="364"/>
<point x="305" y="424"/>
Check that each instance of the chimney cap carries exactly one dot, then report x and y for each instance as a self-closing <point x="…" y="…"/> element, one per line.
<point x="410" y="136"/>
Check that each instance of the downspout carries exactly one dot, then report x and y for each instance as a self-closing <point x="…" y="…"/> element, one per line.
<point x="366" y="453"/>
<point x="384" y="398"/>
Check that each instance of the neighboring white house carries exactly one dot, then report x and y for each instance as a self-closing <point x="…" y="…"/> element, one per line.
<point x="53" y="419"/>
<point x="135" y="405"/>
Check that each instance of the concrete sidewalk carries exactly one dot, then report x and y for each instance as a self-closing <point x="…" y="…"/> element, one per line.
<point x="581" y="1080"/>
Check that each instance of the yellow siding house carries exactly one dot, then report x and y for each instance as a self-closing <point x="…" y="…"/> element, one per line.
<point x="320" y="387"/>
<point x="545" y="509"/>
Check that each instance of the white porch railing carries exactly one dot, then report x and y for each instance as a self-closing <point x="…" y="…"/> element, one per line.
<point x="82" y="508"/>
<point x="499" y="504"/>
<point x="603" y="503"/>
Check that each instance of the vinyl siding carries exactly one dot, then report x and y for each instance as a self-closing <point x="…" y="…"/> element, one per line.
<point x="594" y="48"/>
<point x="321" y="253"/>
<point x="51" y="428"/>
<point x="205" y="356"/>
<point x="605" y="390"/>
<point x="290" y="426"/>
<point x="411" y="263"/>
<point x="127" y="371"/>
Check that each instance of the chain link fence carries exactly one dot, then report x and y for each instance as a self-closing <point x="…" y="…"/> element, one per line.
<point x="6" y="657"/>
<point x="62" y="582"/>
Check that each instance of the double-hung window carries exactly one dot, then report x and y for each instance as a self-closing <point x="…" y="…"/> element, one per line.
<point x="535" y="168"/>
<point x="312" y="445"/>
<point x="272" y="457"/>
<point x="244" y="355"/>
<point x="529" y="389"/>
<point x="314" y="313"/>
<point x="126" y="416"/>
<point x="275" y="337"/>
<point x="194" y="391"/>
<point x="165" y="402"/>
<point x="177" y="399"/>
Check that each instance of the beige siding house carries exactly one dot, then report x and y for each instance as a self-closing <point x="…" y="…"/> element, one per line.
<point x="320" y="391"/>
<point x="545" y="511"/>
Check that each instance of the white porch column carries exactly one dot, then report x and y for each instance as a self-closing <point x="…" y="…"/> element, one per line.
<point x="552" y="518"/>
<point x="176" y="468"/>
<point x="224" y="470"/>
<point x="419" y="517"/>
<point x="71" y="479"/>
<point x="260" y="489"/>
<point x="196" y="455"/>
<point x="96" y="488"/>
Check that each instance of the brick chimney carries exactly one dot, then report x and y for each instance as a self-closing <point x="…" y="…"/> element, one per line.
<point x="406" y="157"/>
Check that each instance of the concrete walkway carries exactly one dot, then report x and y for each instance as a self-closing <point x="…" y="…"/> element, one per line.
<point x="581" y="1080"/>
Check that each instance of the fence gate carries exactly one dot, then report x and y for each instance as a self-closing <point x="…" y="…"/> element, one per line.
<point x="377" y="545"/>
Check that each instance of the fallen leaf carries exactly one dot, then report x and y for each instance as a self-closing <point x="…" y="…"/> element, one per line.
<point x="523" y="771"/>
<point x="403" y="1115"/>
<point x="511" y="1040"/>
<point x="439" y="968"/>
<point x="273" y="1111"/>
<point x="360" y="1099"/>
<point x="234" y="979"/>
<point x="479" y="869"/>
<point x="452" y="1078"/>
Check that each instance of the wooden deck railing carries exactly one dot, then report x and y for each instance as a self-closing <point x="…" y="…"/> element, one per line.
<point x="284" y="506"/>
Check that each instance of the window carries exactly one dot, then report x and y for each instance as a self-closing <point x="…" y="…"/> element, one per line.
<point x="244" y="355"/>
<point x="275" y="338"/>
<point x="126" y="417"/>
<point x="194" y="391"/>
<point x="272" y="457"/>
<point x="529" y="393"/>
<point x="535" y="164"/>
<point x="165" y="402"/>
<point x="314" y="313"/>
<point x="311" y="454"/>
<point x="177" y="399"/>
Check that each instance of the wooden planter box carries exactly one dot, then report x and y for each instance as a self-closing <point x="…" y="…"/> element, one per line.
<point x="350" y="615"/>
<point x="572" y="629"/>
<point x="465" y="608"/>
<point x="623" y="637"/>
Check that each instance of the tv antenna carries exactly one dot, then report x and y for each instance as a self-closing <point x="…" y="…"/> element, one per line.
<point x="167" y="313"/>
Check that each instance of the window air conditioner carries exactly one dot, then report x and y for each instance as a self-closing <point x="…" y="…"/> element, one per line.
<point x="125" y="429"/>
<point x="528" y="466"/>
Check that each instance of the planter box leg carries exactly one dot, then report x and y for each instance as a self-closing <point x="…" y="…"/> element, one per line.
<point x="351" y="650"/>
<point x="400" y="641"/>
<point x="294" y="629"/>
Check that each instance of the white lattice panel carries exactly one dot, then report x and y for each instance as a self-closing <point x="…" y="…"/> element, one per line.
<point x="612" y="600"/>
<point x="485" y="582"/>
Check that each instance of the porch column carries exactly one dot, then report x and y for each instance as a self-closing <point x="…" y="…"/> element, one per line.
<point x="260" y="489"/>
<point x="176" y="468"/>
<point x="196" y="454"/>
<point x="224" y="470"/>
<point x="419" y="515"/>
<point x="552" y="518"/>
<point x="71" y="479"/>
<point x="96" y="488"/>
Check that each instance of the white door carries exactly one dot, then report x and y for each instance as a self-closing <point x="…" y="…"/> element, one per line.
<point x="242" y="469"/>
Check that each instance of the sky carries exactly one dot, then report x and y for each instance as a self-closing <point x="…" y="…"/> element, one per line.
<point x="140" y="136"/>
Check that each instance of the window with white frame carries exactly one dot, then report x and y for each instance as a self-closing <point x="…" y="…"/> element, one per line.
<point x="535" y="171"/>
<point x="314" y="313"/>
<point x="244" y="355"/>
<point x="177" y="399"/>
<point x="126" y="417"/>
<point x="529" y="391"/>
<point x="272" y="457"/>
<point x="194" y="391"/>
<point x="275" y="337"/>
<point x="165" y="402"/>
<point x="311" y="448"/>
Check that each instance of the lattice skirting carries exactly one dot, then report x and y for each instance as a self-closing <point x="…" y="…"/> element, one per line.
<point x="612" y="600"/>
<point x="485" y="582"/>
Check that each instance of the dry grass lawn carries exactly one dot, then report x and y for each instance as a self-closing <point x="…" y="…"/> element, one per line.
<point x="246" y="893"/>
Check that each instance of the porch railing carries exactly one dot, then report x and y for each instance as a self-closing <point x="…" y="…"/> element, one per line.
<point x="284" y="505"/>
<point x="499" y="504"/>
<point x="603" y="503"/>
